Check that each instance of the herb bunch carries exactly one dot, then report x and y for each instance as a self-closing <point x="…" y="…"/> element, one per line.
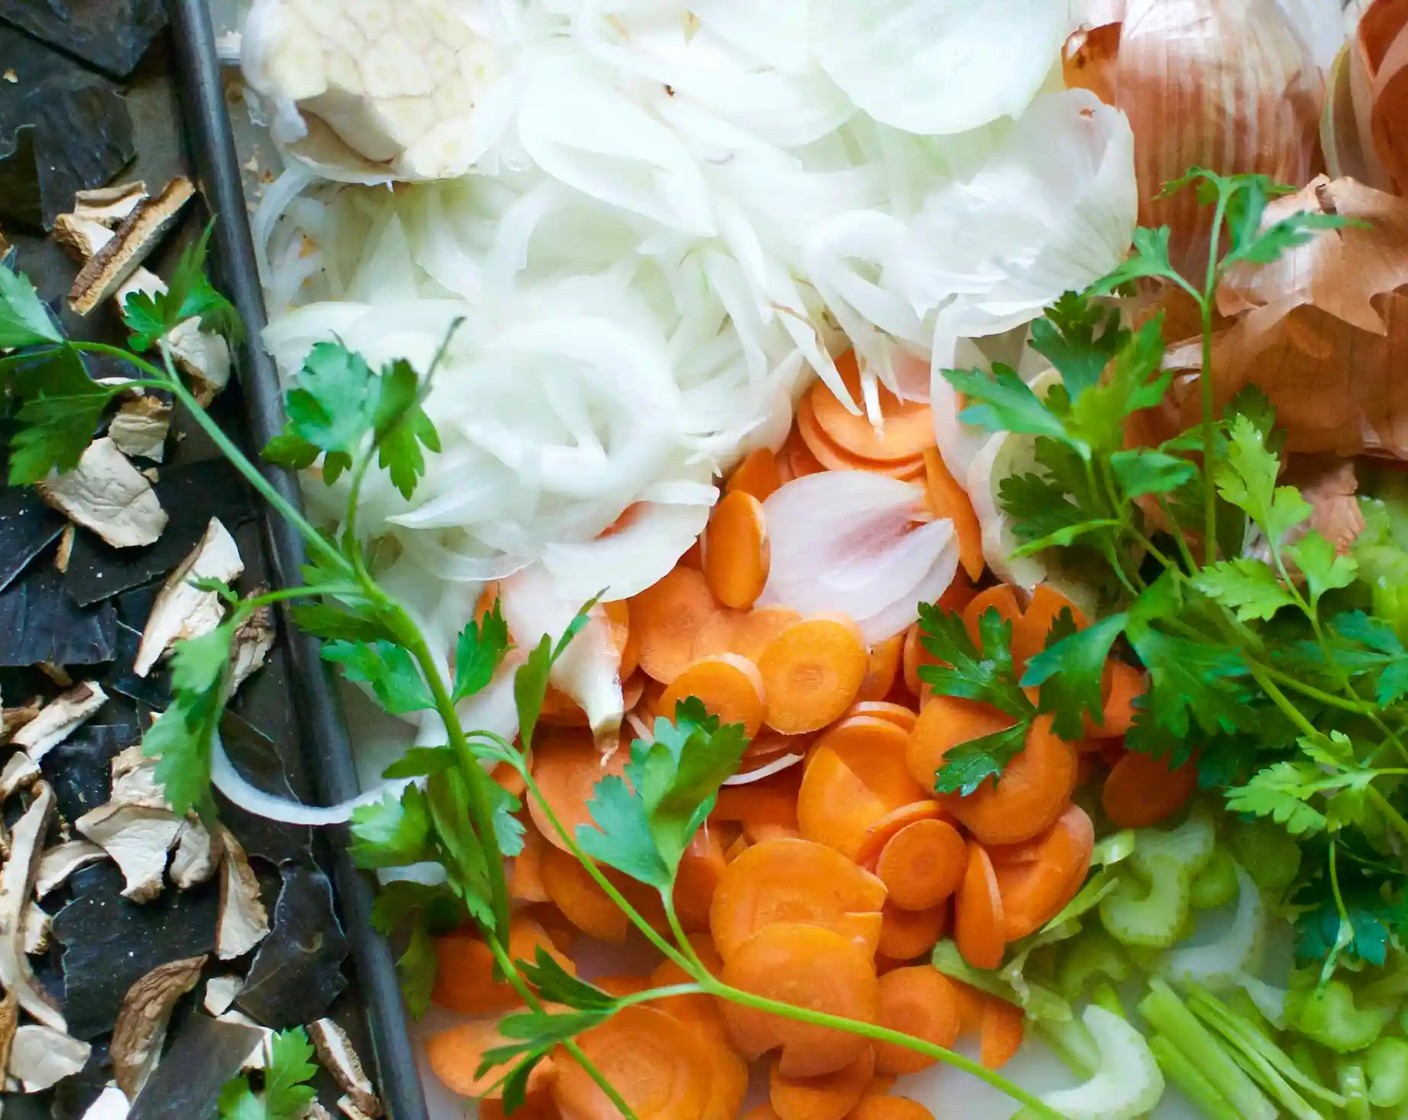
<point x="1266" y="663"/>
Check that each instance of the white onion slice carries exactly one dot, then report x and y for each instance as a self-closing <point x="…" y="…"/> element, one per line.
<point x="776" y="766"/>
<point x="252" y="799"/>
<point x="856" y="544"/>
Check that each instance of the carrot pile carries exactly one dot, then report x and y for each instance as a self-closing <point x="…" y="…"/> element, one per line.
<point x="829" y="882"/>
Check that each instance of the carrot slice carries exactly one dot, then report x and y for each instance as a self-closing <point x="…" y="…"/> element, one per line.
<point x="1123" y="685"/>
<point x="917" y="1001"/>
<point x="978" y="912"/>
<point x="1002" y="1029"/>
<point x="898" y="714"/>
<point x="697" y="1011"/>
<point x="948" y="499"/>
<point x="701" y="868"/>
<point x="907" y="934"/>
<point x="757" y="474"/>
<point x="827" y="1097"/>
<point x="622" y="985"/>
<point x="761" y="1112"/>
<point x="1141" y="790"/>
<point x="729" y="686"/>
<point x="538" y="1105"/>
<point x="1044" y="874"/>
<point x="944" y="723"/>
<point x="759" y="628"/>
<point x="906" y="429"/>
<point x="796" y="458"/>
<point x="794" y="881"/>
<point x="856" y="775"/>
<point x="736" y="552"/>
<point x="810" y="966"/>
<point x="716" y="635"/>
<point x="455" y="1055"/>
<point x="1029" y="632"/>
<point x="666" y="618"/>
<point x="1001" y="598"/>
<point x="971" y="1006"/>
<point x="769" y="801"/>
<point x="1032" y="792"/>
<point x="526" y="869"/>
<point x="879" y="832"/>
<point x="464" y="968"/>
<point x="881" y="669"/>
<point x="660" y="1068"/>
<point x="833" y="456"/>
<point x="811" y="674"/>
<point x="914" y="657"/>
<point x="889" y="1108"/>
<point x="922" y="865"/>
<point x="581" y="900"/>
<point x="567" y="765"/>
<point x="959" y="594"/>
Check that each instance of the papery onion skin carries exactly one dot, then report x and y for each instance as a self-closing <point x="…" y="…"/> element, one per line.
<point x="1379" y="59"/>
<point x="1231" y="88"/>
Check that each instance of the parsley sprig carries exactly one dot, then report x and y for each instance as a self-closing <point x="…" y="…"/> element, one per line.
<point x="286" y="1094"/>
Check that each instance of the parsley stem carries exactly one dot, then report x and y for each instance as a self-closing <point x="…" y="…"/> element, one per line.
<point x="286" y="594"/>
<point x="883" y="1034"/>
<point x="685" y="944"/>
<point x="1209" y="427"/>
<point x="1179" y="539"/>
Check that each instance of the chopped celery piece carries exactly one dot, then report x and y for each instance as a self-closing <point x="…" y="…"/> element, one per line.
<point x="1093" y="954"/>
<point x="1105" y="996"/>
<point x="1190" y="845"/>
<point x="1072" y="1043"/>
<point x="1113" y="849"/>
<point x="1269" y="1000"/>
<point x="1240" y="950"/>
<point x="1356" y="1093"/>
<point x="1386" y="1067"/>
<point x="1216" y="884"/>
<point x="1126" y="1084"/>
<point x="1166" y="1013"/>
<point x="1184" y="1074"/>
<point x="1331" y="1017"/>
<point x="1148" y="909"/>
<point x="1038" y="1002"/>
<point x="1268" y="852"/>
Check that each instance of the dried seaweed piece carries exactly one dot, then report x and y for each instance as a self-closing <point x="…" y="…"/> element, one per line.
<point x="110" y="35"/>
<point x="243" y="921"/>
<point x="257" y="757"/>
<point x="62" y="128"/>
<point x="61" y="861"/>
<point x="298" y="970"/>
<point x="27" y="527"/>
<point x="183" y="611"/>
<point x="80" y="770"/>
<point x="16" y="888"/>
<point x="132" y="242"/>
<point x="140" y="1032"/>
<point x="39" y="621"/>
<point x="107" y="494"/>
<point x="40" y="1057"/>
<point x="204" y="1055"/>
<point x="59" y="719"/>
<point x="336" y="1052"/>
<point x="140" y="427"/>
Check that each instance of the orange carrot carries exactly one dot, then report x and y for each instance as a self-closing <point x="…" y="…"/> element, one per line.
<point x="729" y="686"/>
<point x="464" y="972"/>
<point x="538" y="1105"/>
<point x="794" y="881"/>
<point x="827" y="1097"/>
<point x="526" y="869"/>
<point x="919" y="1002"/>
<point x="455" y="1055"/>
<point x="760" y="831"/>
<point x="906" y="429"/>
<point x="907" y="934"/>
<point x="761" y="1112"/>
<point x="914" y="657"/>
<point x="898" y="714"/>
<point x="1029" y="632"/>
<point x="717" y="633"/>
<point x="881" y="669"/>
<point x="1123" y="685"/>
<point x="1002" y="1030"/>
<point x="1032" y="792"/>
<point x="1038" y="878"/>
<point x="881" y="1085"/>
<point x="811" y="966"/>
<point x="971" y="1006"/>
<point x="660" y="1068"/>
<point x="581" y="900"/>
<point x="567" y="765"/>
<point x="978" y="912"/>
<point x="757" y="474"/>
<point x="796" y="459"/>
<point x="879" y="832"/>
<point x="959" y="594"/>
<point x="770" y="801"/>
<point x="922" y="865"/>
<point x="811" y="674"/>
<point x="856" y="775"/>
<point x="696" y="1010"/>
<point x="1141" y="790"/>
<point x="759" y="628"/>
<point x="666" y="618"/>
<point x="1000" y="598"/>
<point x="736" y="552"/>
<point x="944" y="723"/>
<point x="622" y="985"/>
<point x="890" y="1108"/>
<point x="693" y="558"/>
<point x="948" y="499"/>
<point x="833" y="456"/>
<point x="701" y="868"/>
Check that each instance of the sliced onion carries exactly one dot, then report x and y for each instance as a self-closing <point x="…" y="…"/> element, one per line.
<point x="775" y="766"/>
<point x="855" y="544"/>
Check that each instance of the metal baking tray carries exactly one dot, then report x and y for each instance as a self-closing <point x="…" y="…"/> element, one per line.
<point x="319" y="717"/>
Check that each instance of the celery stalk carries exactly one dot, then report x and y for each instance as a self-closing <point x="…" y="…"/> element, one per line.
<point x="1071" y="1042"/>
<point x="1167" y="1014"/>
<point x="1386" y="1066"/>
<point x="1356" y="1093"/>
<point x="1197" y="1088"/>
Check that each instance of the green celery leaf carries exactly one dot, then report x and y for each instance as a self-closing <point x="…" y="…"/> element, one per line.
<point x="1148" y="258"/>
<point x="1364" y="645"/>
<point x="392" y="832"/>
<point x="986" y="676"/>
<point x="1134" y="382"/>
<point x="1265" y="246"/>
<point x="556" y="985"/>
<point x="967" y="766"/>
<point x="479" y="652"/>
<point x="1079" y="339"/>
<point x="622" y="838"/>
<point x="287" y="1072"/>
<point x="333" y="399"/>
<point x="1246" y="478"/>
<point x="1070" y="672"/>
<point x="463" y="852"/>
<point x="1004" y="403"/>
<point x="508" y="829"/>
<point x="389" y="670"/>
<point x="1248" y="588"/>
<point x="238" y="1101"/>
<point x="24" y="318"/>
<point x="1323" y="568"/>
<point x="289" y="449"/>
<point x="1150" y="472"/>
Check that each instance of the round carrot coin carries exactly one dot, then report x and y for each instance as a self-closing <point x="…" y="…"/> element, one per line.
<point x="920" y="1002"/>
<point x="729" y="687"/>
<point x="1038" y="878"/>
<point x="922" y="865"/>
<point x="567" y="765"/>
<point x="828" y="1097"/>
<point x="757" y="474"/>
<point x="1032" y="792"/>
<point x="890" y="1108"/>
<point x="811" y="673"/>
<point x="907" y="934"/>
<point x="978" y="912"/>
<point x="736" y="553"/>
<point x="1141" y="791"/>
<point x="665" y="619"/>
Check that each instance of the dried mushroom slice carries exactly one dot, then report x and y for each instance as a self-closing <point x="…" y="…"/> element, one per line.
<point x="253" y="641"/>
<point x="131" y="244"/>
<point x="340" y="1059"/>
<point x="140" y="1032"/>
<point x="140" y="427"/>
<point x="41" y="1057"/>
<point x="244" y="920"/>
<point x="37" y="927"/>
<point x="352" y="1110"/>
<point x="135" y="827"/>
<point x="19" y="772"/>
<point x="196" y="855"/>
<point x="111" y="205"/>
<point x="16" y="889"/>
<point x="111" y="1104"/>
<point x="220" y="992"/>
<point x="107" y="494"/>
<point x="61" y="861"/>
<point x="59" y="719"/>
<point x="182" y="610"/>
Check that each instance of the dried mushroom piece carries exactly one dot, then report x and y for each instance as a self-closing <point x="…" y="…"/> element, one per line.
<point x="243" y="921"/>
<point x="196" y="856"/>
<point x="131" y="244"/>
<point x="141" y="1023"/>
<point x="16" y="888"/>
<point x="220" y="992"/>
<point x="107" y="494"/>
<point x="37" y="927"/>
<point x="111" y="205"/>
<point x="350" y="1109"/>
<point x="58" y="863"/>
<point x="203" y="356"/>
<point x="111" y="1104"/>
<point x="182" y="610"/>
<point x="253" y="641"/>
<point x="19" y="772"/>
<point x="340" y="1059"/>
<point x="58" y="719"/>
<point x="41" y="1057"/>
<point x="12" y="719"/>
<point x="135" y="827"/>
<point x="140" y="427"/>
<point x="9" y="1023"/>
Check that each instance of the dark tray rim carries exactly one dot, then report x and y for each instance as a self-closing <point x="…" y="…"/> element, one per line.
<point x="322" y="729"/>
